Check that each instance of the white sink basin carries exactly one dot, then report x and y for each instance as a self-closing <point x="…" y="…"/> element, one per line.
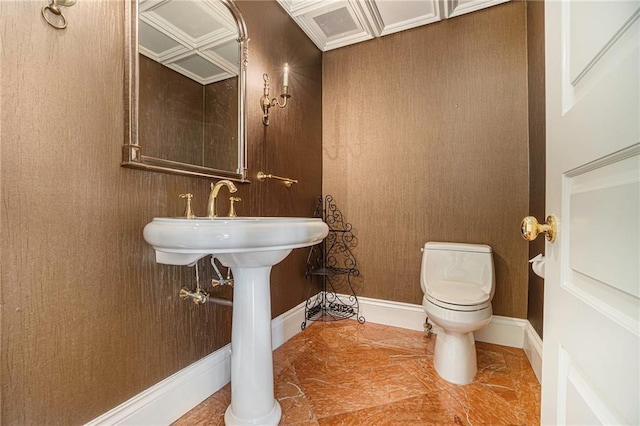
<point x="250" y="246"/>
<point x="241" y="241"/>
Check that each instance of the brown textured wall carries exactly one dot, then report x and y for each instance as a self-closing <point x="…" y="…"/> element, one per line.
<point x="171" y="113"/>
<point x="537" y="148"/>
<point x="88" y="318"/>
<point x="425" y="138"/>
<point x="292" y="143"/>
<point x="220" y="136"/>
<point x="178" y="113"/>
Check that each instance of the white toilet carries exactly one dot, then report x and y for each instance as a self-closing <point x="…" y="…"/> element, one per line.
<point x="458" y="282"/>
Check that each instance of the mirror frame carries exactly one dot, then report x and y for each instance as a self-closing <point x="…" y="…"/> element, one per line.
<point x="132" y="155"/>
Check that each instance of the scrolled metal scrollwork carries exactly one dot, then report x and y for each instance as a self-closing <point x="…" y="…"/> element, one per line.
<point x="334" y="265"/>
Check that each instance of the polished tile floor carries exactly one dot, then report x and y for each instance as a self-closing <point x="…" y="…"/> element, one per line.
<point x="345" y="373"/>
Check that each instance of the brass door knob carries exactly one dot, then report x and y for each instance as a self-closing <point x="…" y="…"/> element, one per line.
<point x="530" y="228"/>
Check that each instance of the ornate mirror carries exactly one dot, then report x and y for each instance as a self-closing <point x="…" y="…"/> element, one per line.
<point x="186" y="63"/>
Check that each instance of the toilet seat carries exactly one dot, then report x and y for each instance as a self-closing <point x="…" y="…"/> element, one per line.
<point x="461" y="308"/>
<point x="457" y="296"/>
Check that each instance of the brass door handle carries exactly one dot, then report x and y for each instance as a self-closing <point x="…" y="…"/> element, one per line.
<point x="530" y="228"/>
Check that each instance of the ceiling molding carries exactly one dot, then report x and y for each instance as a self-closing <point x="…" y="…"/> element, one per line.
<point x="195" y="38"/>
<point x="331" y="24"/>
<point x="198" y="67"/>
<point x="398" y="16"/>
<point x="455" y="8"/>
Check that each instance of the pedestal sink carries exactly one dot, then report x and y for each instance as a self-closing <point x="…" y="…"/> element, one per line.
<point x="250" y="246"/>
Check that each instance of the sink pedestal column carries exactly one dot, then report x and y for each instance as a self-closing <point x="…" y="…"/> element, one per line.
<point x="252" y="397"/>
<point x="250" y="246"/>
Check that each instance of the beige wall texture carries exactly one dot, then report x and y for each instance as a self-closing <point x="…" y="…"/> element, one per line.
<point x="537" y="150"/>
<point x="177" y="112"/>
<point x="88" y="319"/>
<point x="425" y="139"/>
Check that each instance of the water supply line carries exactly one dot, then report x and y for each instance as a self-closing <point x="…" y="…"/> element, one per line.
<point x="199" y="296"/>
<point x="428" y="327"/>
<point x="220" y="281"/>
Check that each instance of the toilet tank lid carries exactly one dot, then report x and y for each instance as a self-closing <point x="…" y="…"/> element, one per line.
<point x="477" y="248"/>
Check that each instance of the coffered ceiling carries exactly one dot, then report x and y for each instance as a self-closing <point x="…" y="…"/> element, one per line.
<point x="337" y="23"/>
<point x="193" y="37"/>
<point x="197" y="38"/>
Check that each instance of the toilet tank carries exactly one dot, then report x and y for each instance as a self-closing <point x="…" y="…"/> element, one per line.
<point x="460" y="262"/>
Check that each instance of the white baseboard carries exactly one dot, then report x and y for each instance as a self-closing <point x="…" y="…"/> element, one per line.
<point x="287" y="325"/>
<point x="533" y="350"/>
<point x="394" y="314"/>
<point x="167" y="401"/>
<point x="170" y="399"/>
<point x="504" y="331"/>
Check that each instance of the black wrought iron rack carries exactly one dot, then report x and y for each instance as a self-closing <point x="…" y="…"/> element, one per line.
<point x="333" y="264"/>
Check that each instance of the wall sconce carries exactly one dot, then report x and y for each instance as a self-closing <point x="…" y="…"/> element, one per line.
<point x="266" y="103"/>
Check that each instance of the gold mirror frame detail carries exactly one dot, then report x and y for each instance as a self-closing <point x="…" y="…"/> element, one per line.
<point x="132" y="155"/>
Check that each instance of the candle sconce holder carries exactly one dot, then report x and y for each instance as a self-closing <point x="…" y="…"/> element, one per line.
<point x="267" y="103"/>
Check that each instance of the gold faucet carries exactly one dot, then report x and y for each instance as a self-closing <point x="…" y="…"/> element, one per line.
<point x="188" y="211"/>
<point x="232" y="208"/>
<point x="212" y="210"/>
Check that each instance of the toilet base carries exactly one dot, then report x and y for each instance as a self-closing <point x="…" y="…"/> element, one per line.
<point x="455" y="357"/>
<point x="455" y="352"/>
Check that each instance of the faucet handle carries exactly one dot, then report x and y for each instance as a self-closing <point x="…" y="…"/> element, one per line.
<point x="232" y="208"/>
<point x="188" y="211"/>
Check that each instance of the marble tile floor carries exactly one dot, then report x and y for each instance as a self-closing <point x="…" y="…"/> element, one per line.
<point x="345" y="373"/>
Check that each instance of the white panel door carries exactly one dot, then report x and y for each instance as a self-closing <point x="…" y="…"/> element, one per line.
<point x="591" y="352"/>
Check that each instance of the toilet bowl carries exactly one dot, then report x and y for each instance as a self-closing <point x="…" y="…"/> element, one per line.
<point x="458" y="282"/>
